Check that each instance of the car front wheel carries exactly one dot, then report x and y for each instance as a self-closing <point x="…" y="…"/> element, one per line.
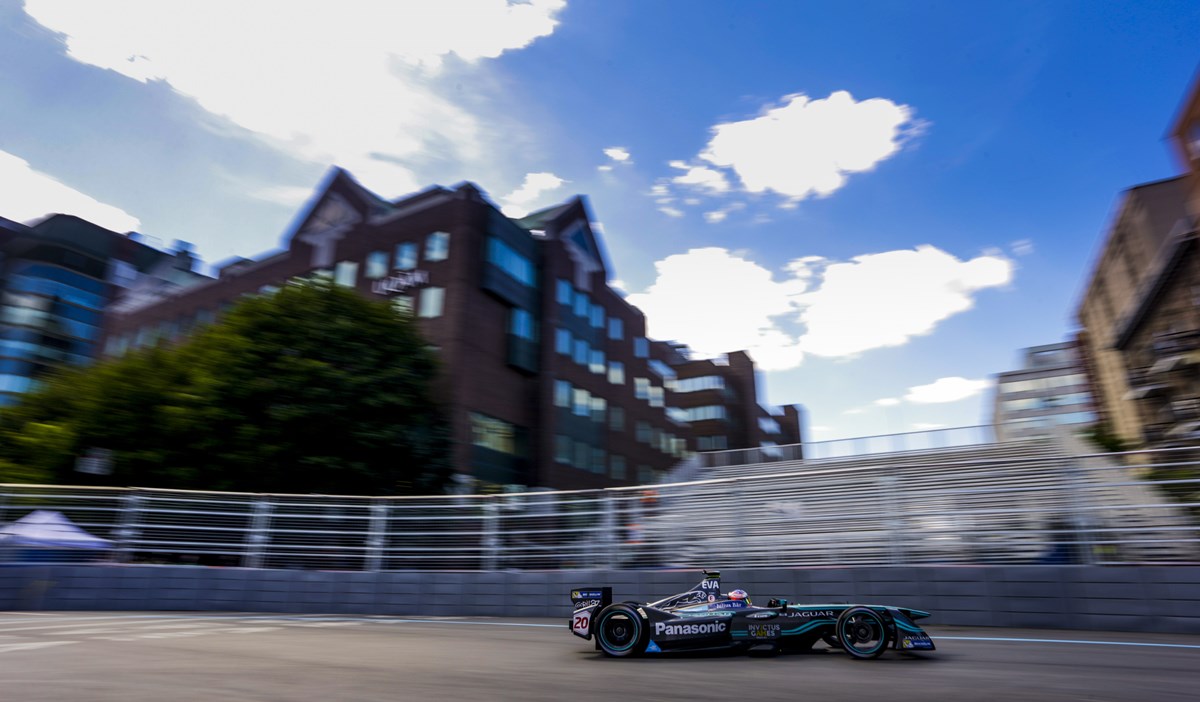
<point x="863" y="632"/>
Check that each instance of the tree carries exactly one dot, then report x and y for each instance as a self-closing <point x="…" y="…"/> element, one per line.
<point x="311" y="389"/>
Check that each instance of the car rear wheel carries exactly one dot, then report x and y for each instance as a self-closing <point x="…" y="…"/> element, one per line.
<point x="621" y="631"/>
<point x="862" y="632"/>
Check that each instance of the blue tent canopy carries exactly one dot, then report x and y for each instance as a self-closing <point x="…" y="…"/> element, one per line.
<point x="49" y="529"/>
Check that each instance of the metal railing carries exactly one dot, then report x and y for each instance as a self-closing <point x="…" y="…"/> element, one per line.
<point x="930" y="439"/>
<point x="1028" y="502"/>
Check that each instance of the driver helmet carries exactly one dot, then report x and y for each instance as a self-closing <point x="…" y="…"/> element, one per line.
<point x="740" y="594"/>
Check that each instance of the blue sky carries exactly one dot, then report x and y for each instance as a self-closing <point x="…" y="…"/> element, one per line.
<point x="883" y="201"/>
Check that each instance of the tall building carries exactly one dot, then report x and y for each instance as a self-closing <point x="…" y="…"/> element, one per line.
<point x="1143" y="225"/>
<point x="549" y="378"/>
<point x="1141" y="309"/>
<point x="56" y="278"/>
<point x="1159" y="334"/>
<point x="1051" y="389"/>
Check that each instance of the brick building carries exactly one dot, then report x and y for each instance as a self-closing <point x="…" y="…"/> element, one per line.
<point x="548" y="377"/>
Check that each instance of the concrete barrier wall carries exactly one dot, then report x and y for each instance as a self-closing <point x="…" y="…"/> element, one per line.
<point x="1143" y="598"/>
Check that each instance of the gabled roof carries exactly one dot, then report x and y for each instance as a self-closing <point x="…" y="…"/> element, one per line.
<point x="570" y="221"/>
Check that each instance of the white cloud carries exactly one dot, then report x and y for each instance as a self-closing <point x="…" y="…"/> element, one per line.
<point x="519" y="202"/>
<point x="701" y="177"/>
<point x="799" y="148"/>
<point x="716" y="301"/>
<point x="950" y="389"/>
<point x="886" y="299"/>
<point x="807" y="147"/>
<point x="28" y="194"/>
<point x="290" y="195"/>
<point x="1022" y="247"/>
<point x="605" y="168"/>
<point x="277" y="68"/>
<point x="720" y="215"/>
<point x="671" y="211"/>
<point x="618" y="153"/>
<point x="887" y="402"/>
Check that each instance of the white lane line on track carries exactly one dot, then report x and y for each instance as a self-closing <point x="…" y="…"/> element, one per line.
<point x="77" y="623"/>
<point x="9" y="648"/>
<point x="1064" y="641"/>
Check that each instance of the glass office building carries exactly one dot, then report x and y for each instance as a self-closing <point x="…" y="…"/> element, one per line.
<point x="56" y="278"/>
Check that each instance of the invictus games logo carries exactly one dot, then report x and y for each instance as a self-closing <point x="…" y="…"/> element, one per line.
<point x="664" y="629"/>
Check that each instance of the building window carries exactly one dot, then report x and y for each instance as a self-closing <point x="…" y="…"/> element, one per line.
<point x="377" y="265"/>
<point x="616" y="418"/>
<point x="406" y="256"/>
<point x="562" y="341"/>
<point x="616" y="467"/>
<point x="432" y="302"/>
<point x="597" y="316"/>
<point x="582" y="304"/>
<point x="656" y="396"/>
<point x="599" y="406"/>
<point x="616" y="328"/>
<point x="711" y="443"/>
<point x="562" y="394"/>
<point x="582" y="352"/>
<point x="346" y="274"/>
<point x="122" y="273"/>
<point x="563" y="292"/>
<point x="599" y="458"/>
<point x="403" y="304"/>
<point x="583" y="402"/>
<point x="616" y="372"/>
<point x="645" y="474"/>
<point x="494" y="434"/>
<point x="583" y="455"/>
<point x="437" y="246"/>
<point x="641" y="388"/>
<point x="508" y="260"/>
<point x="596" y="364"/>
<point x="641" y="347"/>
<point x="704" y="382"/>
<point x="642" y="431"/>
<point x="521" y="324"/>
<point x="562" y="449"/>
<point x="699" y="414"/>
<point x="768" y="425"/>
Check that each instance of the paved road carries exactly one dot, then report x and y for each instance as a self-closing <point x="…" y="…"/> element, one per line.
<point x="229" y="658"/>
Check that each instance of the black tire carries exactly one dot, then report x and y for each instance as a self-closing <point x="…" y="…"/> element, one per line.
<point x="863" y="632"/>
<point x="621" y="631"/>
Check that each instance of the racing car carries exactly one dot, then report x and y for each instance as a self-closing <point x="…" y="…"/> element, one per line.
<point x="704" y="618"/>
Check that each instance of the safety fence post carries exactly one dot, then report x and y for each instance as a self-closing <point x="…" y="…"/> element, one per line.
<point x="491" y="533"/>
<point x="257" y="535"/>
<point x="127" y="530"/>
<point x="376" y="535"/>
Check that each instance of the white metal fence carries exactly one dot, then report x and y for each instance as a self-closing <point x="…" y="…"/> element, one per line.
<point x="1031" y="502"/>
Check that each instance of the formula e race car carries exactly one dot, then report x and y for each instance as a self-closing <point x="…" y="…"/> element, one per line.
<point x="705" y="619"/>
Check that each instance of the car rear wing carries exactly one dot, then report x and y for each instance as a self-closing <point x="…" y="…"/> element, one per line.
<point x="586" y="602"/>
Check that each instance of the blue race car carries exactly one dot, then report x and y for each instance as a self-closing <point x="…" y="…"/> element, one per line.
<point x="705" y="619"/>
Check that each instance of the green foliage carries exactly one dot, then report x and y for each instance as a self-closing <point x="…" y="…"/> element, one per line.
<point x="1103" y="437"/>
<point x="312" y="389"/>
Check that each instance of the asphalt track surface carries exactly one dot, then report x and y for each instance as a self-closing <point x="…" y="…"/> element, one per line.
<point x="229" y="658"/>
